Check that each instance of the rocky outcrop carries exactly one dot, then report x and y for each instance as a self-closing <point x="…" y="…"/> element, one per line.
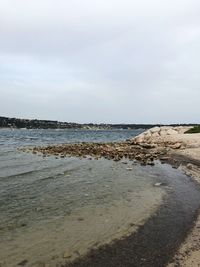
<point x="110" y="151"/>
<point x="164" y="136"/>
<point x="145" y="148"/>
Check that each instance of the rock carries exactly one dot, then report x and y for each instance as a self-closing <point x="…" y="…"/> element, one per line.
<point x="155" y="129"/>
<point x="164" y="158"/>
<point x="157" y="184"/>
<point x="147" y="134"/>
<point x="129" y="169"/>
<point x="147" y="146"/>
<point x="175" y="146"/>
<point x="163" y="133"/>
<point x="189" y="166"/>
<point x="151" y="163"/>
<point x="138" y="157"/>
<point x="138" y="139"/>
<point x="38" y="209"/>
<point x="67" y="255"/>
<point x="80" y="219"/>
<point x="155" y="135"/>
<point x="171" y="132"/>
<point x="41" y="264"/>
<point x="22" y="263"/>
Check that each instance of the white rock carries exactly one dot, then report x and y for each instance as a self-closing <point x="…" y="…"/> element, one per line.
<point x="190" y="166"/>
<point x="155" y="129"/>
<point x="155" y="135"/>
<point x="157" y="184"/>
<point x="175" y="146"/>
<point x="171" y="132"/>
<point x="139" y="139"/>
<point x="147" y="135"/>
<point x="163" y="132"/>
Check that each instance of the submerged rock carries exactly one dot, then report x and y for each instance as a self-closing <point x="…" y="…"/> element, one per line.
<point x="67" y="255"/>
<point x="157" y="184"/>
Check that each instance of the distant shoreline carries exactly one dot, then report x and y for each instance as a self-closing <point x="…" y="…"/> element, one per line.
<point x="16" y="123"/>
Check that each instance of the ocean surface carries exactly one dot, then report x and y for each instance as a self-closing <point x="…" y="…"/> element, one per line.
<point x="55" y="210"/>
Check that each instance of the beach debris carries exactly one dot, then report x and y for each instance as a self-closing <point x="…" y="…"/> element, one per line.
<point x="38" y="209"/>
<point x="175" y="146"/>
<point x="129" y="169"/>
<point x="80" y="219"/>
<point x="67" y="255"/>
<point x="151" y="163"/>
<point x="148" y="146"/>
<point x="164" y="158"/>
<point x="22" y="263"/>
<point x="190" y="166"/>
<point x="41" y="264"/>
<point x="157" y="184"/>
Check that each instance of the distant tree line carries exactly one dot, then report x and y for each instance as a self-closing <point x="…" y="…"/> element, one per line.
<point x="6" y="122"/>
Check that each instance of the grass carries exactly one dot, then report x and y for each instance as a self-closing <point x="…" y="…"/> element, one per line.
<point x="195" y="129"/>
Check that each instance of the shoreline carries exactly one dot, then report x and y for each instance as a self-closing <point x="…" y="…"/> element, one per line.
<point x="167" y="144"/>
<point x="186" y="157"/>
<point x="154" y="244"/>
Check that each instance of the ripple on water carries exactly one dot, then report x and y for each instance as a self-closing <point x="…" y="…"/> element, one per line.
<point x="56" y="210"/>
<point x="71" y="205"/>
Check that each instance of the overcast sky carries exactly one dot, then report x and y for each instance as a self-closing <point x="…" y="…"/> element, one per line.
<point x="114" y="61"/>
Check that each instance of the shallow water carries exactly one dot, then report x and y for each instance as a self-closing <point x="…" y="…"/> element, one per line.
<point x="53" y="210"/>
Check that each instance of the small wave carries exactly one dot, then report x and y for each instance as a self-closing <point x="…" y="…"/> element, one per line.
<point x="21" y="174"/>
<point x="17" y="174"/>
<point x="22" y="138"/>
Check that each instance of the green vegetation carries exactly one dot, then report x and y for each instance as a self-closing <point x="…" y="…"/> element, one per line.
<point x="195" y="129"/>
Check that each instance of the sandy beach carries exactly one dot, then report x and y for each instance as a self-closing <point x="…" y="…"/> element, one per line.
<point x="184" y="149"/>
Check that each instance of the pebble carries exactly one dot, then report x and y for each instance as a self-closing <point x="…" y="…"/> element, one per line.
<point x="67" y="255"/>
<point x="22" y="263"/>
<point x="80" y="219"/>
<point x="157" y="184"/>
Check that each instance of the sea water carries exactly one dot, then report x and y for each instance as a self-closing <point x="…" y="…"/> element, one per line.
<point x="55" y="210"/>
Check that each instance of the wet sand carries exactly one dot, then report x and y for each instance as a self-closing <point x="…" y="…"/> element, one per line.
<point x="186" y="156"/>
<point x="156" y="242"/>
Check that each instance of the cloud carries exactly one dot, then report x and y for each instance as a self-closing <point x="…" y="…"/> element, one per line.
<point x="100" y="61"/>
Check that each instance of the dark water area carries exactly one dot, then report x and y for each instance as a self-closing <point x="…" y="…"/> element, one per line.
<point x="53" y="211"/>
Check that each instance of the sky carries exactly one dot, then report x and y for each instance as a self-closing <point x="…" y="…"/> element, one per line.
<point x="101" y="61"/>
